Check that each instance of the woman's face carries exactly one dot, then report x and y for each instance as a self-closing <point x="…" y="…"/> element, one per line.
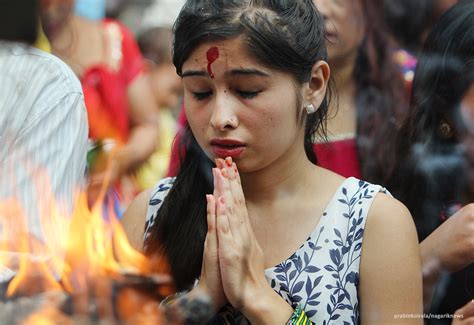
<point x="55" y="15"/>
<point x="345" y="27"/>
<point x="236" y="107"/>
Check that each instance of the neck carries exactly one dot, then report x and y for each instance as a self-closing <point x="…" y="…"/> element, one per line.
<point x="342" y="71"/>
<point x="284" y="178"/>
<point x="69" y="36"/>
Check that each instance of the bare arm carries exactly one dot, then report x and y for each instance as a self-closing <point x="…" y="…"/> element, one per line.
<point x="133" y="220"/>
<point x="449" y="248"/>
<point x="390" y="271"/>
<point x="144" y="117"/>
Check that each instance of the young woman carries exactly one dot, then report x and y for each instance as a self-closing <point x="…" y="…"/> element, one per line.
<point x="435" y="165"/>
<point x="371" y="96"/>
<point x="279" y="238"/>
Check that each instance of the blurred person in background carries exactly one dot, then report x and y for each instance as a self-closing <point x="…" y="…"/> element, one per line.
<point x="43" y="125"/>
<point x="123" y="117"/>
<point x="434" y="176"/>
<point x="155" y="44"/>
<point x="370" y="95"/>
<point x="411" y="29"/>
<point x="407" y="27"/>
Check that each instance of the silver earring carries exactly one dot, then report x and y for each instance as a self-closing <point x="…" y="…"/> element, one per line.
<point x="310" y="109"/>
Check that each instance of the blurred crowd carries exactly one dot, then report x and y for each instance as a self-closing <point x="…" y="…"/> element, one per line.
<point x="401" y="112"/>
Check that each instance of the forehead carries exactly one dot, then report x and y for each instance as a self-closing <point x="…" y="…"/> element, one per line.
<point x="232" y="52"/>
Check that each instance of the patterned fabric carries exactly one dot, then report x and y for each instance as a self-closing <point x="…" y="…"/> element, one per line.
<point x="323" y="274"/>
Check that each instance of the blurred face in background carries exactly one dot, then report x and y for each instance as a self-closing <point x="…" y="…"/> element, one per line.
<point x="345" y="27"/>
<point x="166" y="84"/>
<point x="55" y="15"/>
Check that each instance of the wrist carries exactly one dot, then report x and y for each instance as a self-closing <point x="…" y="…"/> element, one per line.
<point x="432" y="265"/>
<point x="201" y="289"/>
<point x="122" y="161"/>
<point x="193" y="307"/>
<point x="267" y="307"/>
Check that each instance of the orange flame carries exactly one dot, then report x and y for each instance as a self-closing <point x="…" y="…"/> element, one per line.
<point x="74" y="254"/>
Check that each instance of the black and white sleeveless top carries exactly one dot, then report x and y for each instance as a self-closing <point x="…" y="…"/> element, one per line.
<point x="323" y="274"/>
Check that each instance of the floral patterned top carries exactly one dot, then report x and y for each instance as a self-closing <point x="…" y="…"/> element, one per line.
<point x="323" y="274"/>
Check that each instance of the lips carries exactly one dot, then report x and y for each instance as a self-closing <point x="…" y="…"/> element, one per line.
<point x="331" y="35"/>
<point x="224" y="148"/>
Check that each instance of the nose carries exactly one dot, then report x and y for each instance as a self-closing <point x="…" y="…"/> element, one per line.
<point x="224" y="115"/>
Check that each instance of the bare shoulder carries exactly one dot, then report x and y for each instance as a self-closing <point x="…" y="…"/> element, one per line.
<point x="388" y="215"/>
<point x="327" y="181"/>
<point x="390" y="260"/>
<point x="390" y="225"/>
<point x="133" y="220"/>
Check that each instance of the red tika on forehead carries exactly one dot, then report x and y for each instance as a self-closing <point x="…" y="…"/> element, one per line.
<point x="212" y="55"/>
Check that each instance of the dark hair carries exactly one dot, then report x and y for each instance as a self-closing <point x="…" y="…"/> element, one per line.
<point x="407" y="27"/>
<point x="19" y="20"/>
<point x="155" y="44"/>
<point x="430" y="171"/>
<point x="286" y="35"/>
<point x="381" y="99"/>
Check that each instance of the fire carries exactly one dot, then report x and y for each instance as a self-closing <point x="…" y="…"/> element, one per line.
<point x="85" y="256"/>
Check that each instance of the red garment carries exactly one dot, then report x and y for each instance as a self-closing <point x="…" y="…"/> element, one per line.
<point x="340" y="157"/>
<point x="105" y="85"/>
<point x="105" y="89"/>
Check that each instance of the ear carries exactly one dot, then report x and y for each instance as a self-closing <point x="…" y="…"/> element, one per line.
<point x="318" y="84"/>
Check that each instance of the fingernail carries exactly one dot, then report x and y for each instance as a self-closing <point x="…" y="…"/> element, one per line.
<point x="228" y="161"/>
<point x="220" y="163"/>
<point x="208" y="198"/>
<point x="221" y="199"/>
<point x="235" y="168"/>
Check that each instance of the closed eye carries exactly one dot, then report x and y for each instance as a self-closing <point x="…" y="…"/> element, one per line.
<point x="202" y="95"/>
<point x="248" y="94"/>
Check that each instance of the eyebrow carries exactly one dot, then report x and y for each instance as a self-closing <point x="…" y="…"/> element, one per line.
<point x="235" y="72"/>
<point x="245" y="72"/>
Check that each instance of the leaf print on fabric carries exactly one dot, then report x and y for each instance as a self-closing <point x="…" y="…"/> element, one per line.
<point x="155" y="201"/>
<point x="346" y="251"/>
<point x="154" y="204"/>
<point x="323" y="274"/>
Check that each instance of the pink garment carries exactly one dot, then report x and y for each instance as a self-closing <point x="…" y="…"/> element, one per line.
<point x="339" y="156"/>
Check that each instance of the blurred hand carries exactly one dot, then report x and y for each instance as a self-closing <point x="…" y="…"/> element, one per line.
<point x="465" y="315"/>
<point x="452" y="243"/>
